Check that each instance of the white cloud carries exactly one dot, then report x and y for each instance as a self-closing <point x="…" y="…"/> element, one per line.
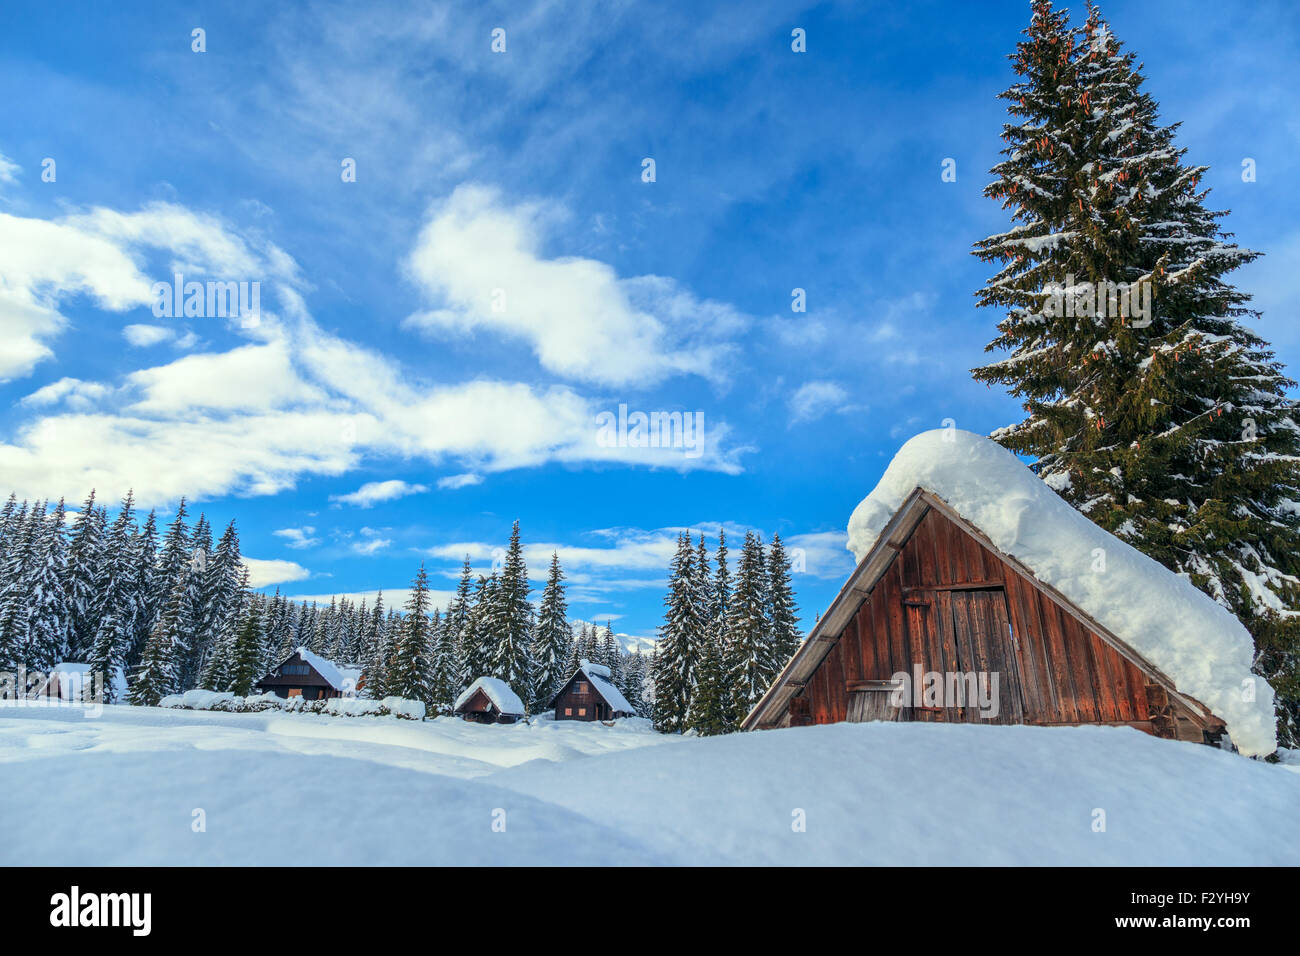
<point x="263" y="573"/>
<point x="9" y="170"/>
<point x="143" y="336"/>
<point x="452" y="482"/>
<point x="72" y="392"/>
<point x="483" y="260"/>
<point x="814" y="399"/>
<point x="43" y="262"/>
<point x="373" y="492"/>
<point x="296" y="401"/>
<point x="298" y="538"/>
<point x="371" y="546"/>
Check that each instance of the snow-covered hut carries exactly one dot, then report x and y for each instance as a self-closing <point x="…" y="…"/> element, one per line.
<point x="489" y="700"/>
<point x="973" y="574"/>
<point x="310" y="676"/>
<point x="590" y="695"/>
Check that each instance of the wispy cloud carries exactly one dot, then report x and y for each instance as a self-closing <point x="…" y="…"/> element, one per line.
<point x="814" y="399"/>
<point x="452" y="482"/>
<point x="265" y="572"/>
<point x="298" y="538"/>
<point x="481" y="258"/>
<point x="373" y="492"/>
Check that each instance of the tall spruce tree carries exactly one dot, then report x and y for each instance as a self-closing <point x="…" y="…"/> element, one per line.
<point x="478" y="643"/>
<point x="246" y="652"/>
<point x="144" y="553"/>
<point x="23" y="546"/>
<point x="408" y="672"/>
<point x="445" y="682"/>
<point x="782" y="610"/>
<point x="156" y="676"/>
<point x="551" y="639"/>
<point x="1170" y="425"/>
<point x="511" y="661"/>
<point x="678" y="644"/>
<point x="751" y="663"/>
<point x="115" y="594"/>
<point x="85" y="549"/>
<point x="47" y="626"/>
<point x="376" y="652"/>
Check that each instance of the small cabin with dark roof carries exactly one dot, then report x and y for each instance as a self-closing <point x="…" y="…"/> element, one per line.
<point x="309" y="676"/>
<point x="590" y="695"/>
<point x="489" y="700"/>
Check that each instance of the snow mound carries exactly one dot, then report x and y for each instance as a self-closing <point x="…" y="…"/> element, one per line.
<point x="197" y="699"/>
<point x="255" y="703"/>
<point x="583" y="794"/>
<point x="1199" y="644"/>
<point x="498" y="691"/>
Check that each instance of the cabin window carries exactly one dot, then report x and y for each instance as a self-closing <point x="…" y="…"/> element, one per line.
<point x="295" y="669"/>
<point x="582" y="711"/>
<point x="568" y="712"/>
<point x="295" y="691"/>
<point x="580" y="687"/>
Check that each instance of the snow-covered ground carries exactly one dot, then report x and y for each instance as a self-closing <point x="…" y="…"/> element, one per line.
<point x="307" y="789"/>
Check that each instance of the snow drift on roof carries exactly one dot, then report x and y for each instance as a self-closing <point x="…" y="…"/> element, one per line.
<point x="598" y="674"/>
<point x="1196" y="642"/>
<point x="590" y="668"/>
<point x="328" y="670"/>
<point x="498" y="691"/>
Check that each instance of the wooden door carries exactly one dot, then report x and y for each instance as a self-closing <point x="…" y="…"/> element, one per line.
<point x="964" y="635"/>
<point x="975" y="632"/>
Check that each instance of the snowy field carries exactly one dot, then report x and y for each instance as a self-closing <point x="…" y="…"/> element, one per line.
<point x="294" y="789"/>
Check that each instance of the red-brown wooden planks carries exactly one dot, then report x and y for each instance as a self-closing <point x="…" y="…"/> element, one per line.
<point x="1053" y="669"/>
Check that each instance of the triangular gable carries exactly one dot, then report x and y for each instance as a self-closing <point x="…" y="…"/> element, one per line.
<point x="602" y="687"/>
<point x="888" y="545"/>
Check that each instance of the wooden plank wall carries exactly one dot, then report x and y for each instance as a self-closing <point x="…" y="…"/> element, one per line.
<point x="1053" y="671"/>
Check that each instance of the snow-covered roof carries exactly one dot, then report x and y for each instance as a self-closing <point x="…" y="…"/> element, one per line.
<point x="498" y="691"/>
<point x="332" y="673"/>
<point x="590" y="668"/>
<point x="1196" y="642"/>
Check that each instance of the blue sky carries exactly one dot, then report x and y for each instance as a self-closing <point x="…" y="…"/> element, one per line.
<point x="437" y="338"/>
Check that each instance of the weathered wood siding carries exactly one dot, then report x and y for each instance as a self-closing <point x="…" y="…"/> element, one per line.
<point x="950" y="604"/>
<point x="569" y="699"/>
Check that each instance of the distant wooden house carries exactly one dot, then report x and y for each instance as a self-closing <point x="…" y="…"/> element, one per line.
<point x="590" y="695"/>
<point x="489" y="700"/>
<point x="309" y="676"/>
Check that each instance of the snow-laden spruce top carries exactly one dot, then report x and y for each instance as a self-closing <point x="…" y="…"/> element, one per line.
<point x="498" y="691"/>
<point x="1196" y="642"/>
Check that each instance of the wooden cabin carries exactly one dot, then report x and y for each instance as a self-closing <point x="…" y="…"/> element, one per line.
<point x="933" y="595"/>
<point x="489" y="700"/>
<point x="590" y="695"/>
<point x="309" y="676"/>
